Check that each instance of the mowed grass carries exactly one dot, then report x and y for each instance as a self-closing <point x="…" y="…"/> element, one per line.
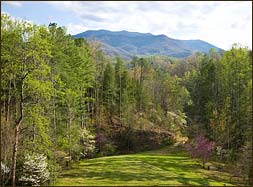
<point x="161" y="167"/>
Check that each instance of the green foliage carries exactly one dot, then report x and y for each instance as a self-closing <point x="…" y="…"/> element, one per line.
<point x="45" y="77"/>
<point x="221" y="90"/>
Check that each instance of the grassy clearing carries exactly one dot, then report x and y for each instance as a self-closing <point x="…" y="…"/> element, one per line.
<point x="161" y="167"/>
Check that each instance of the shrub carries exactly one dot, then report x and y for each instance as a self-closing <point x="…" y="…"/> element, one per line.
<point x="202" y="149"/>
<point x="60" y="157"/>
<point x="88" y="143"/>
<point x="35" y="171"/>
<point x="221" y="153"/>
<point x="5" y="171"/>
<point x="108" y="149"/>
<point x="54" y="169"/>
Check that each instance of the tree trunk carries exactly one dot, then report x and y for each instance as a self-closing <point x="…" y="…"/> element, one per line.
<point x="15" y="150"/>
<point x="69" y="129"/>
<point x="54" y="116"/>
<point x="8" y="109"/>
<point x="120" y="97"/>
<point x="16" y="136"/>
<point x="140" y="96"/>
<point x="82" y="113"/>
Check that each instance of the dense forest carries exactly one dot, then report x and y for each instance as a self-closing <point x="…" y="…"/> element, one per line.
<point x="62" y="100"/>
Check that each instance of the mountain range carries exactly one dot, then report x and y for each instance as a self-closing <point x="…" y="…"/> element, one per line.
<point x="128" y="44"/>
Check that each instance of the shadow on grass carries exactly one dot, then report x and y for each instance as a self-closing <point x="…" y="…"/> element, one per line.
<point x="119" y="176"/>
<point x="138" y="169"/>
<point x="148" y="169"/>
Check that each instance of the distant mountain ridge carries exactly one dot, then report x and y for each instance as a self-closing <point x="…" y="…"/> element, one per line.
<point x="128" y="44"/>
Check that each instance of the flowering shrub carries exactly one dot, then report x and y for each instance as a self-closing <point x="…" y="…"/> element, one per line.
<point x="88" y="142"/>
<point x="35" y="171"/>
<point x="5" y="170"/>
<point x="202" y="149"/>
<point x="221" y="152"/>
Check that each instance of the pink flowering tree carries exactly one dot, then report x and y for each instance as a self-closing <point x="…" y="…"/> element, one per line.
<point x="202" y="149"/>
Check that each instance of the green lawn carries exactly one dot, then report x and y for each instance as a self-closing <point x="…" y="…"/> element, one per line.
<point x="161" y="167"/>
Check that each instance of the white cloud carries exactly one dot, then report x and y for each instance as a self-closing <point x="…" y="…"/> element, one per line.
<point x="74" y="28"/>
<point x="17" y="18"/>
<point x="13" y="3"/>
<point x="219" y="23"/>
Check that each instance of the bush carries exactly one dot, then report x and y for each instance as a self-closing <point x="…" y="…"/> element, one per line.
<point x="60" y="157"/>
<point x="202" y="149"/>
<point x="108" y="149"/>
<point x="54" y="170"/>
<point x="88" y="143"/>
<point x="35" y="171"/>
<point x="221" y="153"/>
<point x="5" y="171"/>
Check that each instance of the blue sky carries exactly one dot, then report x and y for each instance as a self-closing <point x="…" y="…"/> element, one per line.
<point x="219" y="23"/>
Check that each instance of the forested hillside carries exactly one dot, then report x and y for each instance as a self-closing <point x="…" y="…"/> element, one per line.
<point x="62" y="100"/>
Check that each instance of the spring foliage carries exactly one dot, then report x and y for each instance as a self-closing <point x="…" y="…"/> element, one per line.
<point x="62" y="96"/>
